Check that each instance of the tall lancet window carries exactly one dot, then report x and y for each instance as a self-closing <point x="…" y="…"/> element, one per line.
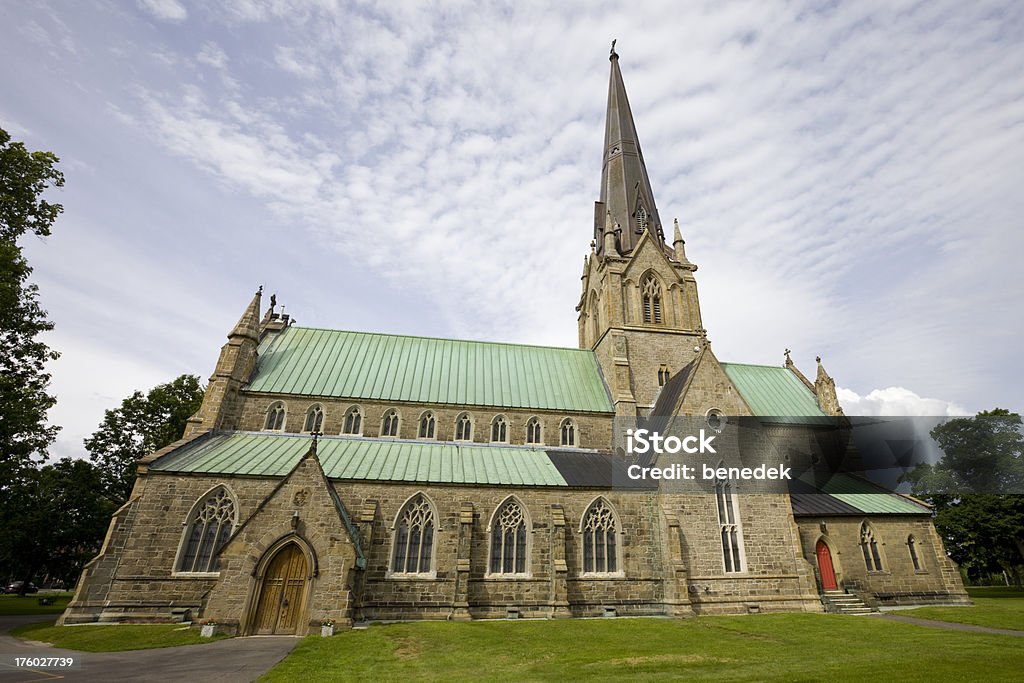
<point x="869" y="548"/>
<point x="600" y="546"/>
<point x="652" y="300"/>
<point x="508" y="539"/>
<point x="642" y="220"/>
<point x="499" y="429"/>
<point x="728" y="522"/>
<point x="209" y="528"/>
<point x="568" y="432"/>
<point x="414" y="537"/>
<point x="533" y="431"/>
<point x="389" y="423"/>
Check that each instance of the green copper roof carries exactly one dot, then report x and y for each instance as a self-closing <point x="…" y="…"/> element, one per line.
<point x="772" y="391"/>
<point x="363" y="365"/>
<point x="274" y="455"/>
<point x="868" y="497"/>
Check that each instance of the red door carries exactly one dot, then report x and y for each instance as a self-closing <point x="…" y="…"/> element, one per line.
<point x="828" y="574"/>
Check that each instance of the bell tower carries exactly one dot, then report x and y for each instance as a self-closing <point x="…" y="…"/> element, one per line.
<point x="638" y="308"/>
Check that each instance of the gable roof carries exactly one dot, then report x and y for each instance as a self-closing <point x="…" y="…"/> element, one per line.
<point x="264" y="454"/>
<point x="841" y="494"/>
<point x="774" y="392"/>
<point x="388" y="367"/>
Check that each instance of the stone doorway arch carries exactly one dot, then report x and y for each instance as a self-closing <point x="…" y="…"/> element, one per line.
<point x="281" y="590"/>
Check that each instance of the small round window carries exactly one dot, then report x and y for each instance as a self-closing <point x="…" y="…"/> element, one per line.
<point x="715" y="419"/>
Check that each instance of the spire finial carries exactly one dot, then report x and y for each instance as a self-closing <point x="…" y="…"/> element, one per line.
<point x="613" y="54"/>
<point x="316" y="438"/>
<point x="789" y="361"/>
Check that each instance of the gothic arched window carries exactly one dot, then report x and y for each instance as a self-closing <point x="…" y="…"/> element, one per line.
<point x="353" y="422"/>
<point x="414" y="537"/>
<point x="728" y="522"/>
<point x="533" y="431"/>
<point x="499" y="429"/>
<point x="652" y="300"/>
<point x="912" y="547"/>
<point x="275" y="417"/>
<point x="427" y="424"/>
<point x="568" y="432"/>
<point x="314" y="419"/>
<point x="463" y="428"/>
<point x="208" y="529"/>
<point x="869" y="548"/>
<point x="600" y="545"/>
<point x="642" y="219"/>
<point x="508" y="539"/>
<point x="663" y="375"/>
<point x="389" y="423"/>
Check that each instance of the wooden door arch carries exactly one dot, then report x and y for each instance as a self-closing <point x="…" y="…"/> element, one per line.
<point x="825" y="568"/>
<point x="282" y="593"/>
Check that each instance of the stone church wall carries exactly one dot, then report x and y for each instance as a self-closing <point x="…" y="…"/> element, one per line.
<point x="898" y="583"/>
<point x="593" y="430"/>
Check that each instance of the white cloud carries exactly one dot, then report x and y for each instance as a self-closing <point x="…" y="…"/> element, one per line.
<point x="212" y="55"/>
<point x="896" y="402"/>
<point x="290" y="60"/>
<point x="165" y="10"/>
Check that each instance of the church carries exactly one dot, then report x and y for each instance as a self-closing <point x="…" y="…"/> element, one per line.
<point x="346" y="477"/>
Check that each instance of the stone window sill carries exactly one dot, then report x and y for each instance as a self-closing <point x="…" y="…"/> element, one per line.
<point x="427" y="576"/>
<point x="594" y="576"/>
<point x="195" y="575"/>
<point x="507" y="577"/>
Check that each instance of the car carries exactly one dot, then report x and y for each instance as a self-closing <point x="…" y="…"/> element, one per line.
<point x="16" y="587"/>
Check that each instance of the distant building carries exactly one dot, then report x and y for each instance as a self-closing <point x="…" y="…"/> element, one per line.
<point x="462" y="480"/>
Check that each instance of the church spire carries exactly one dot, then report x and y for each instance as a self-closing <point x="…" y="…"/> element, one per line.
<point x="625" y="188"/>
<point x="249" y="324"/>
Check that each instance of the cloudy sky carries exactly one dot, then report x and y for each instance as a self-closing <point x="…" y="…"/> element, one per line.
<point x="848" y="177"/>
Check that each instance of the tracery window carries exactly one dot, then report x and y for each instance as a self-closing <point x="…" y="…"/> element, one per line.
<point x="499" y="429"/>
<point x="600" y="546"/>
<point x="568" y="432"/>
<point x="732" y="556"/>
<point x="427" y="425"/>
<point x="389" y="423"/>
<point x="652" y="300"/>
<point x="463" y="428"/>
<point x="353" y="422"/>
<point x="912" y="547"/>
<point x="663" y="375"/>
<point x="414" y="537"/>
<point x="275" y="417"/>
<point x="641" y="219"/>
<point x="208" y="530"/>
<point x="869" y="547"/>
<point x="314" y="419"/>
<point x="533" y="430"/>
<point x="508" y="539"/>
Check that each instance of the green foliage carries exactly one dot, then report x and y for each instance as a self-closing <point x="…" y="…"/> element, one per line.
<point x="53" y="521"/>
<point x="144" y="423"/>
<point x="24" y="176"/>
<point x="105" y="638"/>
<point x="974" y="490"/>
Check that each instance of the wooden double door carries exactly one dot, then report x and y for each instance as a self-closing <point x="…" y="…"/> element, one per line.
<point x="283" y="593"/>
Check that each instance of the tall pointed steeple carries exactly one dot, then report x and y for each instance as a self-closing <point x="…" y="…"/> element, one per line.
<point x="625" y="188"/>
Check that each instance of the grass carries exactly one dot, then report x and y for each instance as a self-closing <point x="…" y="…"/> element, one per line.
<point x="994" y="606"/>
<point x="783" y="647"/>
<point x="14" y="604"/>
<point x="112" y="638"/>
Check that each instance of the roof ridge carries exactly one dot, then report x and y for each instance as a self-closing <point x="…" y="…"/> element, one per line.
<point x="753" y="365"/>
<point x="451" y="339"/>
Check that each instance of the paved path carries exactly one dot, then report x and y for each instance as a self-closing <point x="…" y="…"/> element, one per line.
<point x="230" y="660"/>
<point x="948" y="625"/>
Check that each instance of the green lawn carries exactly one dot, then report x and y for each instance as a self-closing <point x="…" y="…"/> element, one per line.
<point x="13" y="604"/>
<point x="111" y="638"/>
<point x="784" y="647"/>
<point x="993" y="606"/>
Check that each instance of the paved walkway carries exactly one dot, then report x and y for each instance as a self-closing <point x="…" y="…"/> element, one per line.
<point x="948" y="625"/>
<point x="231" y="660"/>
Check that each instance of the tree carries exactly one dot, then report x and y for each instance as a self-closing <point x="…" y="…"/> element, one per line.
<point x="143" y="424"/>
<point x="24" y="176"/>
<point x="975" y="491"/>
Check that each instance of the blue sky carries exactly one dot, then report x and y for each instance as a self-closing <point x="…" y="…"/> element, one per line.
<point x="847" y="176"/>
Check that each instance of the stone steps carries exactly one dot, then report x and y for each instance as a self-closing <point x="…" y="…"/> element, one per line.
<point x="839" y="602"/>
